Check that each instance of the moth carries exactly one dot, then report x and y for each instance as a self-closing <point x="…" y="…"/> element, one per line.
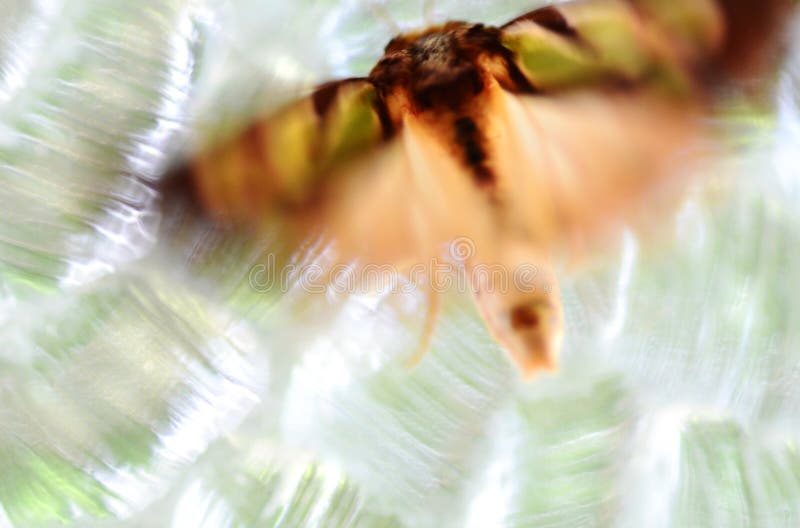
<point x="530" y="140"/>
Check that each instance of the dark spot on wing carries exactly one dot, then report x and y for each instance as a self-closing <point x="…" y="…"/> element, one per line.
<point x="324" y="96"/>
<point x="178" y="194"/>
<point x="549" y="18"/>
<point x="253" y="139"/>
<point x="521" y="83"/>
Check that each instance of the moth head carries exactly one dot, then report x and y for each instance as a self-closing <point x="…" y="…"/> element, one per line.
<point x="436" y="67"/>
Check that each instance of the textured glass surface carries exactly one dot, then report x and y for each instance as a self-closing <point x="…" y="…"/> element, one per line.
<point x="147" y="381"/>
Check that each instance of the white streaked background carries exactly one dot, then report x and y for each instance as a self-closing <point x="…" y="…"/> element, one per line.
<point x="144" y="383"/>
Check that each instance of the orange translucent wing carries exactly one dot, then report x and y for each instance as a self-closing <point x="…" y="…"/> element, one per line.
<point x="569" y="167"/>
<point x="403" y="203"/>
<point x="579" y="164"/>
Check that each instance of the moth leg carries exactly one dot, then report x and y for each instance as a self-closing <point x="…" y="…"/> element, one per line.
<point x="519" y="299"/>
<point x="427" y="12"/>
<point x="434" y="308"/>
<point x="380" y="12"/>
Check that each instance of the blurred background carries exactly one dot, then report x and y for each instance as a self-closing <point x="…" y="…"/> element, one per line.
<point x="146" y="382"/>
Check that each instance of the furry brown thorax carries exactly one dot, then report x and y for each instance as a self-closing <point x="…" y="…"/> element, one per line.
<point x="441" y="67"/>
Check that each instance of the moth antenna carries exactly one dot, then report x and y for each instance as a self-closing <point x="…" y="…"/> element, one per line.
<point x="427" y="12"/>
<point x="379" y="12"/>
<point x="432" y="311"/>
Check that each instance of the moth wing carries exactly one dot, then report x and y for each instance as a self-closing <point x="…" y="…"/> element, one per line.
<point x="287" y="158"/>
<point x="401" y="204"/>
<point x="576" y="165"/>
<point x="385" y="195"/>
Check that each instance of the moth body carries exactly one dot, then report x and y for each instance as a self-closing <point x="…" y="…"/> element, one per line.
<point x="527" y="139"/>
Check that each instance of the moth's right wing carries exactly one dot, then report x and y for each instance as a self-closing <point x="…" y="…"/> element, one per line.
<point x="624" y="89"/>
<point x="334" y="161"/>
<point x="574" y="167"/>
<point x="284" y="160"/>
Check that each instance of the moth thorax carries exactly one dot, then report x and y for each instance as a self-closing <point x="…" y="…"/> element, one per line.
<point x="438" y="69"/>
<point x="435" y="49"/>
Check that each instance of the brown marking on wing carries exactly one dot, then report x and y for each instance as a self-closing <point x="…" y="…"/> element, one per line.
<point x="753" y="34"/>
<point x="519" y="83"/>
<point x="179" y="194"/>
<point x="256" y="191"/>
<point x="550" y="18"/>
<point x="495" y="59"/>
<point x="325" y="94"/>
<point x="744" y="43"/>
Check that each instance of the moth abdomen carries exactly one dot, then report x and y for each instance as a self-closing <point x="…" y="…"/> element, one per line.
<point x="470" y="140"/>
